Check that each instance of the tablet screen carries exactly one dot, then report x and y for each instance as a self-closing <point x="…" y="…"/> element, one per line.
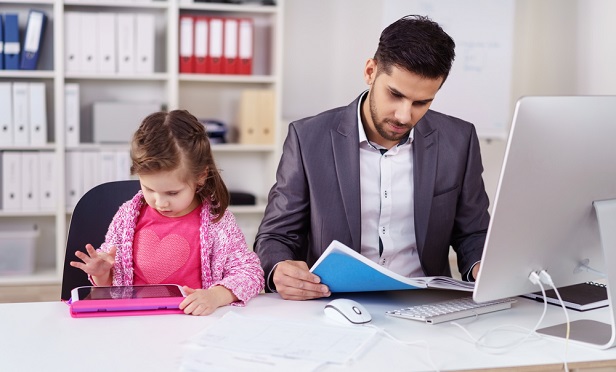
<point x="129" y="291"/>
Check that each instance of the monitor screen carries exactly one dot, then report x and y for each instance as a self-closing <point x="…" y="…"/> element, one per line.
<point x="560" y="157"/>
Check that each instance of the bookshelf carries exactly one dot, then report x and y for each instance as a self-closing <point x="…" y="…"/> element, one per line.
<point x="245" y="168"/>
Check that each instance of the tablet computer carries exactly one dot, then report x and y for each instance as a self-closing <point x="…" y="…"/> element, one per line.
<point x="126" y="300"/>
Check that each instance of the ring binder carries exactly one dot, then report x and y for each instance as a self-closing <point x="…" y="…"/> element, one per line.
<point x="35" y="30"/>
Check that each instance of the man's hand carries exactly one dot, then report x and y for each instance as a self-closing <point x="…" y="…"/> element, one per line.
<point x="294" y="281"/>
<point x="475" y="270"/>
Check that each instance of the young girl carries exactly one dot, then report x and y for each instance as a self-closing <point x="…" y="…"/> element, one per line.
<point x="177" y="229"/>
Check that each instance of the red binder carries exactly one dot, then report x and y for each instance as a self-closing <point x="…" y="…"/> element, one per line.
<point x="202" y="59"/>
<point x="215" y="47"/>
<point x="246" y="46"/>
<point x="187" y="56"/>
<point x="230" y="57"/>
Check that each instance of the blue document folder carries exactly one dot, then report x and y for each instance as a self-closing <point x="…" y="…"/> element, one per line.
<point x="11" y="42"/>
<point x="1" y="44"/>
<point x="35" y="30"/>
<point x="344" y="270"/>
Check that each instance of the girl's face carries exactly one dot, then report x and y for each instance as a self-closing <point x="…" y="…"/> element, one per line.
<point x="168" y="193"/>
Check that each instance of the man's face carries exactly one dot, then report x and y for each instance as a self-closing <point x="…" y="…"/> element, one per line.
<point x="396" y="102"/>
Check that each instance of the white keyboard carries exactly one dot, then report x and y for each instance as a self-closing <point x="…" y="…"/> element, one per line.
<point x="445" y="311"/>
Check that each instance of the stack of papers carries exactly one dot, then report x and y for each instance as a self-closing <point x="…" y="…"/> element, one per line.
<point x="235" y="341"/>
<point x="345" y="270"/>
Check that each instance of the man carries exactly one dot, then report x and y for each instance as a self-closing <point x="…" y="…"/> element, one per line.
<point x="388" y="177"/>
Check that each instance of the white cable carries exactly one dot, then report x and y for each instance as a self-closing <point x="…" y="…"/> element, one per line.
<point x="481" y="344"/>
<point x="538" y="279"/>
<point x="407" y="343"/>
<point x="547" y="279"/>
<point x="584" y="266"/>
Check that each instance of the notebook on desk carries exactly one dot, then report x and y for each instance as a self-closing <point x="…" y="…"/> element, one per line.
<point x="580" y="297"/>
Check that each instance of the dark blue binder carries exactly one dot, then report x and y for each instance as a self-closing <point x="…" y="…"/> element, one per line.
<point x="1" y="44"/>
<point x="35" y="30"/>
<point x="11" y="42"/>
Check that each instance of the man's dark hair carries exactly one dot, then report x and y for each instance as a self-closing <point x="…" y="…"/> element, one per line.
<point x="417" y="44"/>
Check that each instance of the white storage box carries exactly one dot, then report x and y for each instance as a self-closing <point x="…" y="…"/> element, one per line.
<point x="17" y="248"/>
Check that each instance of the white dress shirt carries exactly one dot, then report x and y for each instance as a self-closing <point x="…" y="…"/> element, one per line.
<point x="387" y="204"/>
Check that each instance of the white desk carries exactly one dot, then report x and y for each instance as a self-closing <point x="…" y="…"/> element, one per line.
<point x="43" y="336"/>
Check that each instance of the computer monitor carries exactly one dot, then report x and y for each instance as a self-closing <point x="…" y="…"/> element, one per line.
<point x="560" y="159"/>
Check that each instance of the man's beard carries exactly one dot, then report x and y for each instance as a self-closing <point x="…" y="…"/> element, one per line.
<point x="381" y="125"/>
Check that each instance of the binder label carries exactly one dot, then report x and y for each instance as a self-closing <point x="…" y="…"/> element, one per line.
<point x="33" y="34"/>
<point x="12" y="48"/>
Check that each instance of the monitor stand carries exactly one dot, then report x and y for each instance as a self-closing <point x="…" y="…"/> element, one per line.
<point x="591" y="332"/>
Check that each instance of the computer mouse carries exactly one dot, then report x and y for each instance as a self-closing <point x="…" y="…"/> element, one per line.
<point x="347" y="311"/>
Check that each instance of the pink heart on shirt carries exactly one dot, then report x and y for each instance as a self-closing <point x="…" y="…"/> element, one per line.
<point x="158" y="258"/>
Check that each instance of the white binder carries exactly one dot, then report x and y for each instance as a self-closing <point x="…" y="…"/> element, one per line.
<point x="21" y="111"/>
<point x="107" y="42"/>
<point x="126" y="43"/>
<point x="71" y="114"/>
<point x="145" y="43"/>
<point x="72" y="55"/>
<point x="88" y="42"/>
<point x="74" y="186"/>
<point x="122" y="166"/>
<point x="38" y="114"/>
<point x="47" y="174"/>
<point x="107" y="162"/>
<point x="11" y="180"/>
<point x="6" y="119"/>
<point x="30" y="175"/>
<point x="90" y="169"/>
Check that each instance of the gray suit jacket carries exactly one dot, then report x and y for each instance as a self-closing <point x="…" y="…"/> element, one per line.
<point x="316" y="197"/>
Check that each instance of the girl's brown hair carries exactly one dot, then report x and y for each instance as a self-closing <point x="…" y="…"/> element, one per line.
<point x="166" y="139"/>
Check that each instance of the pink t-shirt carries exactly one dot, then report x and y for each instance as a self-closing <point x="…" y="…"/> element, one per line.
<point x="166" y="250"/>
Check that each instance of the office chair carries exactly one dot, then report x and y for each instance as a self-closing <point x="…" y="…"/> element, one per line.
<point x="89" y="223"/>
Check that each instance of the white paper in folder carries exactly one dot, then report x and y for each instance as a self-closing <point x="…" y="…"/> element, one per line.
<point x="115" y="122"/>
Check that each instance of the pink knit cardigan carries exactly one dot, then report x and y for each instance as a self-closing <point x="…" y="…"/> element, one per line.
<point x="225" y="259"/>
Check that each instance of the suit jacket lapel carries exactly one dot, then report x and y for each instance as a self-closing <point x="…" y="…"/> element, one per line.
<point x="425" y="154"/>
<point x="345" y="143"/>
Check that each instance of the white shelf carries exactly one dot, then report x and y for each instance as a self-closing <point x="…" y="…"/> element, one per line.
<point x="234" y="8"/>
<point x="49" y="276"/>
<point x="159" y="76"/>
<point x="240" y="79"/>
<point x="22" y="74"/>
<point x="22" y="2"/>
<point x="234" y="147"/>
<point x="112" y="4"/>
<point x="244" y="167"/>
<point x="247" y="209"/>
<point x="9" y="214"/>
<point x="48" y="147"/>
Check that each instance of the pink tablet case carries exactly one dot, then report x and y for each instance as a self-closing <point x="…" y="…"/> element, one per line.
<point x="124" y="307"/>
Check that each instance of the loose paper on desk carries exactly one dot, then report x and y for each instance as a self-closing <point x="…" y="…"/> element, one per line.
<point x="199" y="359"/>
<point x="265" y="339"/>
<point x="344" y="270"/>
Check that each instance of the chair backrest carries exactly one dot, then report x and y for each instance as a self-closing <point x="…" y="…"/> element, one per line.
<point x="89" y="223"/>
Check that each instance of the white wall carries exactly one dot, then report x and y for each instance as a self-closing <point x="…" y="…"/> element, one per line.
<point x="326" y="45"/>
<point x="561" y="47"/>
<point x="596" y="55"/>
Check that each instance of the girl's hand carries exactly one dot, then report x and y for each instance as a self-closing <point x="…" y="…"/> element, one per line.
<point x="96" y="264"/>
<point x="205" y="301"/>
